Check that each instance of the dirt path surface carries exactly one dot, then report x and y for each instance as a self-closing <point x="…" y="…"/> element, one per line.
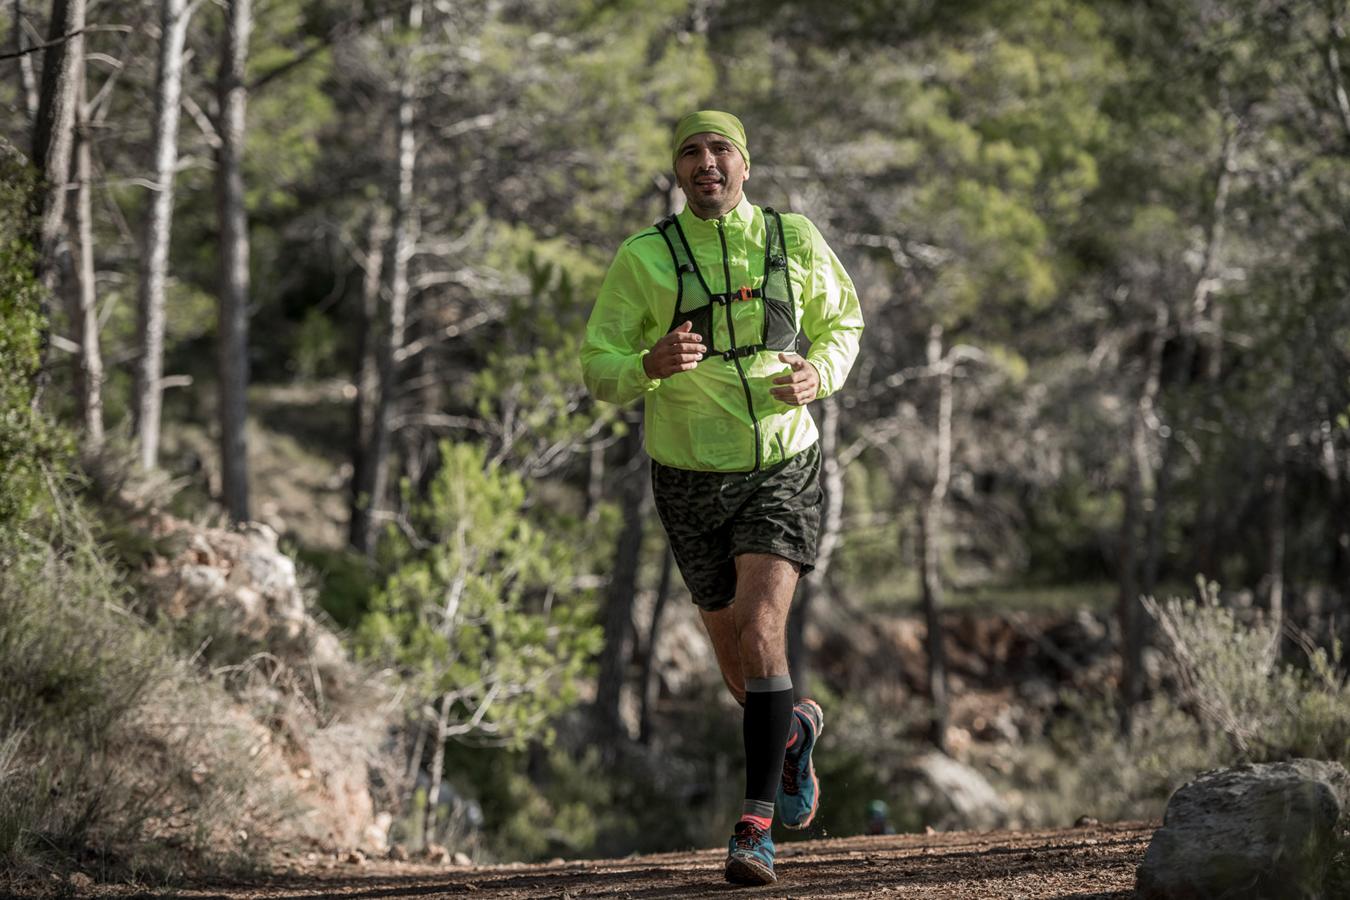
<point x="1095" y="863"/>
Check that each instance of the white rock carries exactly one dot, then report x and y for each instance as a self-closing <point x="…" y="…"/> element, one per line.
<point x="952" y="796"/>
<point x="201" y="583"/>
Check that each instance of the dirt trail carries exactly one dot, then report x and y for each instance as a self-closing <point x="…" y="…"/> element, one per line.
<point x="1095" y="863"/>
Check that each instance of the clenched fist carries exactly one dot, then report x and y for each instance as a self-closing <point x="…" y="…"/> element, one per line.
<point x="800" y="386"/>
<point x="678" y="351"/>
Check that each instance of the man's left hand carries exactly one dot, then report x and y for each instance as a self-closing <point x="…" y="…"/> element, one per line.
<point x="799" y="387"/>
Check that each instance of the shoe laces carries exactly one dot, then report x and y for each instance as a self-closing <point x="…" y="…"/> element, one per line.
<point x="791" y="783"/>
<point x="748" y="836"/>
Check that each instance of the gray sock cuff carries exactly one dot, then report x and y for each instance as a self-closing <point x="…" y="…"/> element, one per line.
<point x="768" y="685"/>
<point x="761" y="808"/>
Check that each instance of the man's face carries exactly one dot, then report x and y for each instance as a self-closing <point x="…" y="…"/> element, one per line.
<point x="710" y="171"/>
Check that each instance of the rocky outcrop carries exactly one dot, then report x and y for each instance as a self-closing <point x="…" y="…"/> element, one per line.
<point x="244" y="580"/>
<point x="1256" y="832"/>
<point x="320" y="722"/>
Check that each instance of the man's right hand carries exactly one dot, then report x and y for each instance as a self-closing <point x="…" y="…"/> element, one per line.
<point x="678" y="351"/>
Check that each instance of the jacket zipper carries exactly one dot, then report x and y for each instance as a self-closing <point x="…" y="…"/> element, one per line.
<point x="731" y="336"/>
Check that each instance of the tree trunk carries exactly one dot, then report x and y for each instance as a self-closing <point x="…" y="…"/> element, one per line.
<point x="1275" y="536"/>
<point x="930" y="543"/>
<point x="832" y="516"/>
<point x="234" y="253"/>
<point x="437" y="770"/>
<point x="1338" y="563"/>
<point x="1139" y="490"/>
<point x="595" y="482"/>
<point x="648" y="683"/>
<point x="367" y="378"/>
<point x="1155" y="526"/>
<point x="84" y="305"/>
<point x="27" y="84"/>
<point x="414" y="765"/>
<point x="174" y="15"/>
<point x="396" y="310"/>
<point x="618" y="617"/>
<point x="53" y="128"/>
<point x="53" y="137"/>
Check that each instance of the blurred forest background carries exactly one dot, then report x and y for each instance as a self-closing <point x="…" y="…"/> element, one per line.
<point x="321" y="270"/>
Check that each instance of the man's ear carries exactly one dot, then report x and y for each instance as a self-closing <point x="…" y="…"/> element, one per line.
<point x="747" y="172"/>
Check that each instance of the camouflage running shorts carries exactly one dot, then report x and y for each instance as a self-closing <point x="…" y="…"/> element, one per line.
<point x="712" y="517"/>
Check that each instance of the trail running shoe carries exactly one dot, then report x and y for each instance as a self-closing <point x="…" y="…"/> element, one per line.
<point x="799" y="792"/>
<point x="750" y="855"/>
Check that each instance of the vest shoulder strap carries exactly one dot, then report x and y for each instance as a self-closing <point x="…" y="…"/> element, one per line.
<point x="776" y="280"/>
<point x="666" y="226"/>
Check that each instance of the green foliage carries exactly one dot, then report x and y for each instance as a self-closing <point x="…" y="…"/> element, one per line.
<point x="479" y="611"/>
<point x="1231" y="679"/>
<point x="289" y="118"/>
<point x="1235" y="702"/>
<point x="26" y="442"/>
<point x="343" y="580"/>
<point x="316" y="345"/>
<point x="109" y="745"/>
<point x="555" y="811"/>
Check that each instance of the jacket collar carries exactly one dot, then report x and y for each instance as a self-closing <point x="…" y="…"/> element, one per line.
<point x="739" y="216"/>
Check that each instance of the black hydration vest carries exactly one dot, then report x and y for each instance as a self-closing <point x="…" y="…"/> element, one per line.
<point x="694" y="301"/>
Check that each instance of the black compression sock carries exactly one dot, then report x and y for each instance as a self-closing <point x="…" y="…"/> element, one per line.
<point x="768" y="720"/>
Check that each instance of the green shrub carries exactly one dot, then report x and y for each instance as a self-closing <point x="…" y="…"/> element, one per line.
<point x="115" y="754"/>
<point x="1232" y="700"/>
<point x="1229" y="676"/>
<point x="479" y="614"/>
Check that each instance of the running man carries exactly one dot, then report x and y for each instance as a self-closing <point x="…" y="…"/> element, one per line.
<point x="701" y="315"/>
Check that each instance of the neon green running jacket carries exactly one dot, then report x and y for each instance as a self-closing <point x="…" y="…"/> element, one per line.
<point x="701" y="419"/>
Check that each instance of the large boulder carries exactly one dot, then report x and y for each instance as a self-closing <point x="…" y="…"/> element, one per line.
<point x="1256" y="832"/>
<point x="951" y="796"/>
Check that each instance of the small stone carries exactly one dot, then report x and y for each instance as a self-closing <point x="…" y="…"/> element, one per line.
<point x="81" y="881"/>
<point x="1086" y="822"/>
<point x="929" y="829"/>
<point x="437" y="854"/>
<point x="462" y="859"/>
<point x="355" y="858"/>
<point x="398" y="853"/>
<point x="556" y="861"/>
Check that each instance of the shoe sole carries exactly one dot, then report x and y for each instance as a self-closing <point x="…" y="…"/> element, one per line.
<point x="815" y="782"/>
<point x="743" y="870"/>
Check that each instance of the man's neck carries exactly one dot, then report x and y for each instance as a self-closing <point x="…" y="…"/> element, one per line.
<point x="713" y="214"/>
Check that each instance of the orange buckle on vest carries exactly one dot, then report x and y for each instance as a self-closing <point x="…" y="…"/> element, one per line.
<point x="745" y="293"/>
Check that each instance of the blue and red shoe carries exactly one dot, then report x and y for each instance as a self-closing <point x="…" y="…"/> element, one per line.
<point x="799" y="792"/>
<point x="750" y="855"/>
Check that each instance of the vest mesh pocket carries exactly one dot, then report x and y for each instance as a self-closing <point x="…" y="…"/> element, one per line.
<point x="780" y="328"/>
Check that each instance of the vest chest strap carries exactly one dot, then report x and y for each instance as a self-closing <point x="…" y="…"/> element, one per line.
<point x="742" y="352"/>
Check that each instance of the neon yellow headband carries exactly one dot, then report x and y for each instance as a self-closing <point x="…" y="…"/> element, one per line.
<point x="715" y="121"/>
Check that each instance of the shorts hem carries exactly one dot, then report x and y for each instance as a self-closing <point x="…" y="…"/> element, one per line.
<point x="806" y="561"/>
<point x="714" y="605"/>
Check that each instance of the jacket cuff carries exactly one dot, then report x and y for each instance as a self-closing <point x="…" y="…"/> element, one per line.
<point x="641" y="383"/>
